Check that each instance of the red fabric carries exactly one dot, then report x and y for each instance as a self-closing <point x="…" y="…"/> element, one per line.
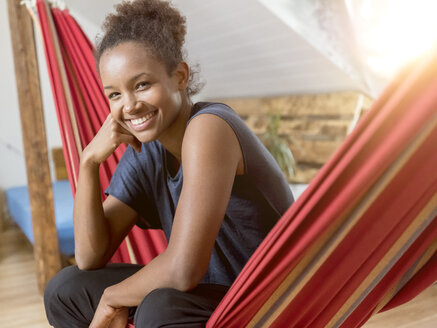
<point x="419" y="282"/>
<point x="366" y="308"/>
<point x="396" y="118"/>
<point x="90" y="109"/>
<point x="69" y="146"/>
<point x="357" y="255"/>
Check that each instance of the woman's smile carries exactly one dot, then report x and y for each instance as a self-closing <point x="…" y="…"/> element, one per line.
<point x="142" y="123"/>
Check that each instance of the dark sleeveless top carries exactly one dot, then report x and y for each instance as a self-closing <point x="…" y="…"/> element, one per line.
<point x="258" y="199"/>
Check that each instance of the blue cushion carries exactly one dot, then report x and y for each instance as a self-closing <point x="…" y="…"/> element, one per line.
<point x="19" y="207"/>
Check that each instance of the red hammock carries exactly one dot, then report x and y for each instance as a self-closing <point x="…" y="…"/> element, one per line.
<point x="363" y="236"/>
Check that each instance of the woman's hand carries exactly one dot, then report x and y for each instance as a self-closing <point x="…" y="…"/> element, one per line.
<point x="107" y="316"/>
<point x="109" y="137"/>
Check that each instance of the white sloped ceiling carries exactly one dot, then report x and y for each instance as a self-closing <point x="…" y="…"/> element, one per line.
<point x="243" y="49"/>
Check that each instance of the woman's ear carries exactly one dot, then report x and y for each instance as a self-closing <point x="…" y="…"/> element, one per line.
<point x="183" y="75"/>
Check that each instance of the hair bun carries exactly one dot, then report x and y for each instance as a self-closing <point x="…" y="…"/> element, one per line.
<point x="154" y="23"/>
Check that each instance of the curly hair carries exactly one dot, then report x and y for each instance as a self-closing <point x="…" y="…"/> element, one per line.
<point x="155" y="24"/>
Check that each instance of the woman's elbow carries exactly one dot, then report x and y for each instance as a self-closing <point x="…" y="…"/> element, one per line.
<point x="83" y="265"/>
<point x="186" y="282"/>
<point x="87" y="262"/>
<point x="187" y="277"/>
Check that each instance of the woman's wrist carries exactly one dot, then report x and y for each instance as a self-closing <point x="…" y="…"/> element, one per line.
<point x="110" y="297"/>
<point x="86" y="160"/>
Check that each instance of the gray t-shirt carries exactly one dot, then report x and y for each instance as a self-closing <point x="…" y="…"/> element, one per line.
<point x="146" y="182"/>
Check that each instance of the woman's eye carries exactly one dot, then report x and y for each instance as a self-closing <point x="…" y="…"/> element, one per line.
<point x="112" y="95"/>
<point x="142" y="85"/>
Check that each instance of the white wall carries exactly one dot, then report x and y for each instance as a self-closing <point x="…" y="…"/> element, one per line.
<point x="12" y="167"/>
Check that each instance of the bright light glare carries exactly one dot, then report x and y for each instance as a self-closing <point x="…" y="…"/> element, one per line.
<point x="393" y="32"/>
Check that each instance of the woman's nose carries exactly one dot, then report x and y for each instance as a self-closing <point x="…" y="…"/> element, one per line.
<point x="129" y="104"/>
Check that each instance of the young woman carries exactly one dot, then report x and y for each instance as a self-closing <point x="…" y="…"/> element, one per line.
<point x="194" y="170"/>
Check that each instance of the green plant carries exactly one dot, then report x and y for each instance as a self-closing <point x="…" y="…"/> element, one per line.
<point x="278" y="146"/>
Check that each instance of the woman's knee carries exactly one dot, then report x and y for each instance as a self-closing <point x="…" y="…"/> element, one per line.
<point x="168" y="307"/>
<point x="73" y="295"/>
<point x="60" y="295"/>
<point x="157" y="309"/>
<point x="62" y="285"/>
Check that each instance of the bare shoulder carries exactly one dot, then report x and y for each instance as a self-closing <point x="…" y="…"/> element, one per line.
<point x="211" y="136"/>
<point x="207" y="121"/>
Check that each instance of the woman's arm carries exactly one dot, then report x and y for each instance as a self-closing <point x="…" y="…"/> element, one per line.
<point x="99" y="228"/>
<point x="211" y="157"/>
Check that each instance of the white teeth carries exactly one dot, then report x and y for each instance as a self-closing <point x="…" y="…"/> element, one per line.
<point x="150" y="115"/>
<point x="143" y="119"/>
<point x="139" y="120"/>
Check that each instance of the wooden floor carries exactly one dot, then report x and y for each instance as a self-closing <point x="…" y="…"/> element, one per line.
<point x="20" y="304"/>
<point x="22" y="307"/>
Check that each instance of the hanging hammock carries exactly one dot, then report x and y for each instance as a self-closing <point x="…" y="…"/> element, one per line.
<point x="361" y="239"/>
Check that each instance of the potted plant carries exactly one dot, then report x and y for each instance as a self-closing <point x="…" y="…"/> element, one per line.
<point x="278" y="147"/>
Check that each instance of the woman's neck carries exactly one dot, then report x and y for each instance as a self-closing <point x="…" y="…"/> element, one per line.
<point x="173" y="137"/>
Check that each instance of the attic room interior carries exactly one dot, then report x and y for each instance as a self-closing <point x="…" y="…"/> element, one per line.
<point x="278" y="153"/>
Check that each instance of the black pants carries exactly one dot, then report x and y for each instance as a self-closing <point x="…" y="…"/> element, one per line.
<point x="72" y="296"/>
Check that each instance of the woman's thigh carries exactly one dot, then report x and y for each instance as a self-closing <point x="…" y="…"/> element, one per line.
<point x="72" y="296"/>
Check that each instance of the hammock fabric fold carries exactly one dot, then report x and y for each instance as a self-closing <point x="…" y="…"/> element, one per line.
<point x="361" y="239"/>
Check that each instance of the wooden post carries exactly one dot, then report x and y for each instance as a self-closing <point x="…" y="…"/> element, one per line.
<point x="46" y="247"/>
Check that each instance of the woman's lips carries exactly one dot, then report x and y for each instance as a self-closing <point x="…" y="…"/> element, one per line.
<point x="142" y="123"/>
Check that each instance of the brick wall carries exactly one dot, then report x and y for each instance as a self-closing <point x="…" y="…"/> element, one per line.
<point x="312" y="125"/>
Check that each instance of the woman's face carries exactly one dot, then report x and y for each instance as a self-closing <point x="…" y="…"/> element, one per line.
<point x="143" y="98"/>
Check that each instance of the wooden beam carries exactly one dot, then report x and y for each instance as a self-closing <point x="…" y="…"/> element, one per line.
<point x="46" y="247"/>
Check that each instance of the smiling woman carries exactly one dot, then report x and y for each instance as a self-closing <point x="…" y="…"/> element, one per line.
<point x="143" y="97"/>
<point x="194" y="170"/>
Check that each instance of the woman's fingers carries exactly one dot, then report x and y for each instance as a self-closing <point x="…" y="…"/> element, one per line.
<point x="120" y="319"/>
<point x="107" y="139"/>
<point x="122" y="135"/>
<point x="103" y="316"/>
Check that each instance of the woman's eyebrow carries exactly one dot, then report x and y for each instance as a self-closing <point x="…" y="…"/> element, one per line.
<point x="137" y="76"/>
<point x="130" y="80"/>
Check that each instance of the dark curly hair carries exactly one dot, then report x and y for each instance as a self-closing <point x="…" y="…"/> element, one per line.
<point x="155" y="24"/>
